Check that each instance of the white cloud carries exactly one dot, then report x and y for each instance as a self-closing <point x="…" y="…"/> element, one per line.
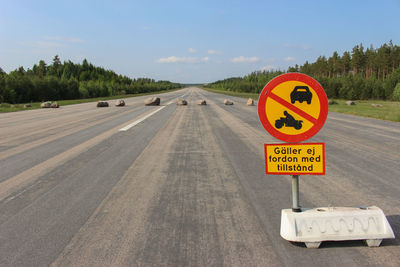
<point x="243" y="59"/>
<point x="213" y="52"/>
<point x="174" y="59"/>
<point x="192" y="50"/>
<point x="289" y="59"/>
<point x="268" y="67"/>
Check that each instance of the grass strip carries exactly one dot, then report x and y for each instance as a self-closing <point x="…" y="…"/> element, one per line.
<point x="378" y="109"/>
<point x="5" y="107"/>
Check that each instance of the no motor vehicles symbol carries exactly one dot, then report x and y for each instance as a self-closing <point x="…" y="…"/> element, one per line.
<point x="293" y="107"/>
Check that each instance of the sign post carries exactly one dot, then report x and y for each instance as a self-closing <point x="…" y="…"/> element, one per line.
<point x="295" y="159"/>
<point x="293" y="107"/>
<point x="295" y="194"/>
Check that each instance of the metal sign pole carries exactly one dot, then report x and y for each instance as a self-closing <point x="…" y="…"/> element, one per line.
<point x="295" y="194"/>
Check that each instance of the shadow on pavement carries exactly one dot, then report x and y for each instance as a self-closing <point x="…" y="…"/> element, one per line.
<point x="394" y="221"/>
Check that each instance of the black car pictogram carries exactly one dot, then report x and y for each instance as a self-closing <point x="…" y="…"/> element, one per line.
<point x="288" y="121"/>
<point x="301" y="93"/>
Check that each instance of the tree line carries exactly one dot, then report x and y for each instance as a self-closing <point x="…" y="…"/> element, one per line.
<point x="360" y="74"/>
<point x="68" y="80"/>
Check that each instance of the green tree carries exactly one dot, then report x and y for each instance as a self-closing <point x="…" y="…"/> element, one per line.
<point x="346" y="62"/>
<point x="334" y="67"/>
<point x="83" y="90"/>
<point x="56" y="68"/>
<point x="390" y="83"/>
<point x="383" y="61"/>
<point x="40" y="70"/>
<point x="68" y="80"/>
<point x="358" y="59"/>
<point x="396" y="92"/>
<point x="73" y="89"/>
<point x="2" y="84"/>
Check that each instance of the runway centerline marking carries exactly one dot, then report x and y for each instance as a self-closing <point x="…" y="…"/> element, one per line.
<point x="127" y="127"/>
<point x="133" y="124"/>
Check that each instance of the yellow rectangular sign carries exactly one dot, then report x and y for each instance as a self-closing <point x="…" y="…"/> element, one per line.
<point x="295" y="159"/>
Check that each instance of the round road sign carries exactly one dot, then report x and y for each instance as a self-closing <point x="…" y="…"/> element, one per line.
<point x="293" y="107"/>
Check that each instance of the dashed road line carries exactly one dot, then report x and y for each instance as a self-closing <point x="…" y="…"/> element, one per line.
<point x="133" y="124"/>
<point x="127" y="127"/>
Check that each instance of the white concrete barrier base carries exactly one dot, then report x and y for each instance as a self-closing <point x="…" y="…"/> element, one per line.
<point x="313" y="226"/>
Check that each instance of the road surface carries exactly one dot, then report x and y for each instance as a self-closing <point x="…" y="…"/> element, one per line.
<point x="180" y="186"/>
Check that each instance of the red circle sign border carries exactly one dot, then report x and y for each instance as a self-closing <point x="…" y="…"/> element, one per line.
<point x="293" y="77"/>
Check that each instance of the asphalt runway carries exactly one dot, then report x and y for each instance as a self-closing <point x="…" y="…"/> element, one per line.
<point x="183" y="186"/>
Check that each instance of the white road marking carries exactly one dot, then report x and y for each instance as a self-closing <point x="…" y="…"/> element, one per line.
<point x="127" y="127"/>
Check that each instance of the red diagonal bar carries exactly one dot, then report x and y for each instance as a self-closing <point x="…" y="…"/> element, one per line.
<point x="293" y="108"/>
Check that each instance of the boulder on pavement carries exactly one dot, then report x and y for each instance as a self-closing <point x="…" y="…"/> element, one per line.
<point x="45" y="104"/>
<point x="250" y="102"/>
<point x="228" y="102"/>
<point x="54" y="105"/>
<point x="181" y="102"/>
<point x="202" y="102"/>
<point x="152" y="101"/>
<point x="101" y="104"/>
<point x="120" y="103"/>
<point x="350" y="103"/>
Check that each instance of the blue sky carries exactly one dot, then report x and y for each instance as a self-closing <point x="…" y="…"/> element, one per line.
<point x="190" y="41"/>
